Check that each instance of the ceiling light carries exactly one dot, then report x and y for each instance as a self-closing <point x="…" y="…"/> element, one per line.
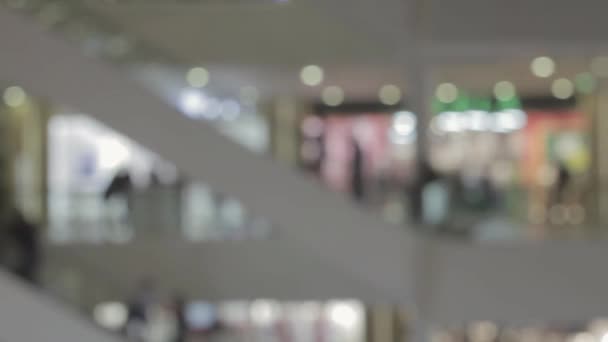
<point x="390" y="94"/>
<point x="562" y="88"/>
<point x="599" y="66"/>
<point x="198" y="77"/>
<point x="542" y="67"/>
<point x="447" y="92"/>
<point x="311" y="75"/>
<point x="333" y="96"/>
<point x="504" y="90"/>
<point x="14" y="96"/>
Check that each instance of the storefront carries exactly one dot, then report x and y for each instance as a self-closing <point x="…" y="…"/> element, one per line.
<point x="493" y="163"/>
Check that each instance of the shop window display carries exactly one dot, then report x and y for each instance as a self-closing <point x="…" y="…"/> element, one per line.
<point x="496" y="170"/>
<point x="368" y="156"/>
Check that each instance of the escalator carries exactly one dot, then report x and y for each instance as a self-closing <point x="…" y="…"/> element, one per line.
<point x="311" y="220"/>
<point x="324" y="246"/>
<point x="27" y="315"/>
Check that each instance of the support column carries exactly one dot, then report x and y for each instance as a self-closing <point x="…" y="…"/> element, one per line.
<point x="600" y="141"/>
<point x="284" y="127"/>
<point x="419" y="92"/>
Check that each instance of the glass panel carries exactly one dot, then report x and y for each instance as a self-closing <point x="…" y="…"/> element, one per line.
<point x="105" y="188"/>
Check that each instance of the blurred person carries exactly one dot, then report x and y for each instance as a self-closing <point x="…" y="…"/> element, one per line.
<point x="154" y="180"/>
<point x="564" y="178"/>
<point x="120" y="188"/>
<point x="22" y="247"/>
<point x="138" y="310"/>
<point x="425" y="175"/>
<point x="357" y="172"/>
<point x="161" y="325"/>
<point x="121" y="184"/>
<point x="181" y="325"/>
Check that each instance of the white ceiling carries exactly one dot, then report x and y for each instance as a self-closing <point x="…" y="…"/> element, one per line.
<point x="362" y="43"/>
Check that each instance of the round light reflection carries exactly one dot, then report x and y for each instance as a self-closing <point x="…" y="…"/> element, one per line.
<point x="543" y="67"/>
<point x="447" y="92"/>
<point x="198" y="77"/>
<point x="562" y="88"/>
<point x="504" y="91"/>
<point x="311" y="75"/>
<point x="389" y="94"/>
<point x="14" y="96"/>
<point x="333" y="96"/>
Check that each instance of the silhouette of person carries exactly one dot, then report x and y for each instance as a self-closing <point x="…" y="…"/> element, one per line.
<point x="138" y="309"/>
<point x="121" y="187"/>
<point x="357" y="172"/>
<point x="425" y="175"/>
<point x="121" y="184"/>
<point x="181" y="326"/>
<point x="563" y="181"/>
<point x="24" y="242"/>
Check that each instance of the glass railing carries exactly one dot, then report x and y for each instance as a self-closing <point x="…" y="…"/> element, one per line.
<point x="191" y="212"/>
